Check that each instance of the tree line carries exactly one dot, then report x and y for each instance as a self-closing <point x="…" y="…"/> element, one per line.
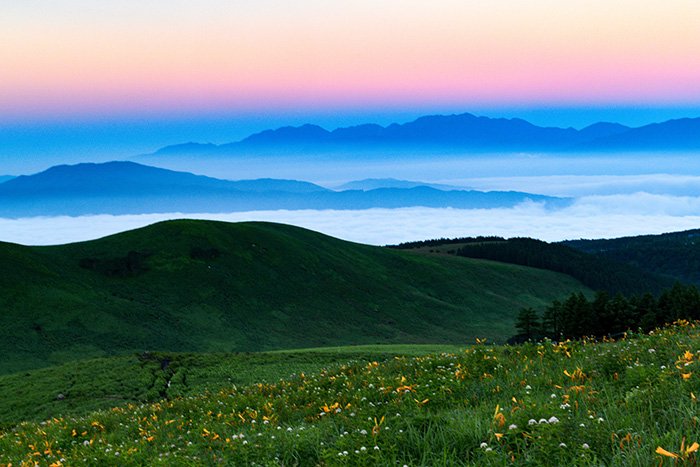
<point x="607" y="315"/>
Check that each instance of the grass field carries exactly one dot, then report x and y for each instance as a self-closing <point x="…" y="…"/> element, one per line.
<point x="82" y="386"/>
<point x="630" y="402"/>
<point x="201" y="286"/>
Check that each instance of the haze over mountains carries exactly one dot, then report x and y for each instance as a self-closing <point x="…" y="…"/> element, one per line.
<point x="131" y="188"/>
<point x="463" y="132"/>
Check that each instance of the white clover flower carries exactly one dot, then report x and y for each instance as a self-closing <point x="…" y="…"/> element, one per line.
<point x="582" y="425"/>
<point x="601" y="419"/>
<point x="565" y="405"/>
<point x="528" y="387"/>
<point x="651" y="350"/>
<point x="376" y="448"/>
<point x="488" y="449"/>
<point x="585" y="446"/>
<point x="553" y="420"/>
<point x="562" y="445"/>
<point x="513" y="427"/>
<point x="483" y="445"/>
<point x="532" y="421"/>
<point x="543" y="420"/>
<point x="363" y="432"/>
<point x="363" y="449"/>
<point x="553" y="396"/>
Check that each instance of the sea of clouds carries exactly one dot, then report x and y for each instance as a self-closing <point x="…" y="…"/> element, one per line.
<point x="597" y="216"/>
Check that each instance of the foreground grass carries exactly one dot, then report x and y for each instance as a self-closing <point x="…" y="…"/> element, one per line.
<point x="83" y="386"/>
<point x="573" y="403"/>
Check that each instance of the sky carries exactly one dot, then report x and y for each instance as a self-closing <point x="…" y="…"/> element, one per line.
<point x="117" y="77"/>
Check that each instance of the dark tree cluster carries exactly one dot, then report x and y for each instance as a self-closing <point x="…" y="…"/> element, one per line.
<point x="133" y="264"/>
<point x="608" y="315"/>
<point x="674" y="254"/>
<point x="595" y="272"/>
<point x="445" y="241"/>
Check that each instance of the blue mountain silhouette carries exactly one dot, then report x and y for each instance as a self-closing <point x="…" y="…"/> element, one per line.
<point x="130" y="188"/>
<point x="459" y="132"/>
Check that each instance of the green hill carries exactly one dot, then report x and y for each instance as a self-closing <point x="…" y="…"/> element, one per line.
<point x="675" y="255"/>
<point x="595" y="271"/>
<point x="206" y="286"/>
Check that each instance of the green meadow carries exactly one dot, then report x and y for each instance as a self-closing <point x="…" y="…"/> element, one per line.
<point x="628" y="402"/>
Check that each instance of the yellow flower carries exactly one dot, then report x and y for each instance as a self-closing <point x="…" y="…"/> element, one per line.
<point x="684" y="453"/>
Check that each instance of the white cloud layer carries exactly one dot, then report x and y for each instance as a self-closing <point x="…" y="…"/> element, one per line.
<point x="585" y="185"/>
<point x="588" y="217"/>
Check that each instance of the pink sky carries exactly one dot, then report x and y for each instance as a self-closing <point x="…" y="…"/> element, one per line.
<point x="75" y="57"/>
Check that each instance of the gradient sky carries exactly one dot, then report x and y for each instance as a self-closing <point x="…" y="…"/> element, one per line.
<point x="122" y="66"/>
<point x="82" y="57"/>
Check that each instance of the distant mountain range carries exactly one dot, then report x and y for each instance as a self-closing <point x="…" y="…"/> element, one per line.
<point x="131" y="188"/>
<point x="374" y="183"/>
<point x="463" y="132"/>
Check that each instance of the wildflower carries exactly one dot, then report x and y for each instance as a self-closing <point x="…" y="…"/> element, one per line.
<point x="585" y="446"/>
<point x="532" y="421"/>
<point x="684" y="452"/>
<point x="565" y="405"/>
<point x="376" y="448"/>
<point x="553" y="396"/>
<point x="562" y="445"/>
<point x="543" y="420"/>
<point x="483" y="445"/>
<point x="513" y="427"/>
<point x="553" y="420"/>
<point x="498" y="417"/>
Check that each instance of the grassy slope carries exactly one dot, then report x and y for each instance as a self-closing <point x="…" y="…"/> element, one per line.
<point x="79" y="387"/>
<point x="577" y="403"/>
<point x="272" y="287"/>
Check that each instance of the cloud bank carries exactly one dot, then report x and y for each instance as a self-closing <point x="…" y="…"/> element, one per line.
<point x="588" y="217"/>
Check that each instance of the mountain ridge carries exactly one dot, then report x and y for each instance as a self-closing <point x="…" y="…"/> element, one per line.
<point x="130" y="188"/>
<point x="459" y="132"/>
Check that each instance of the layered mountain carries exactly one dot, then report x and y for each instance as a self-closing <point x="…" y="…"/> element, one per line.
<point x="214" y="286"/>
<point x="130" y="188"/>
<point x="374" y="183"/>
<point x="449" y="133"/>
